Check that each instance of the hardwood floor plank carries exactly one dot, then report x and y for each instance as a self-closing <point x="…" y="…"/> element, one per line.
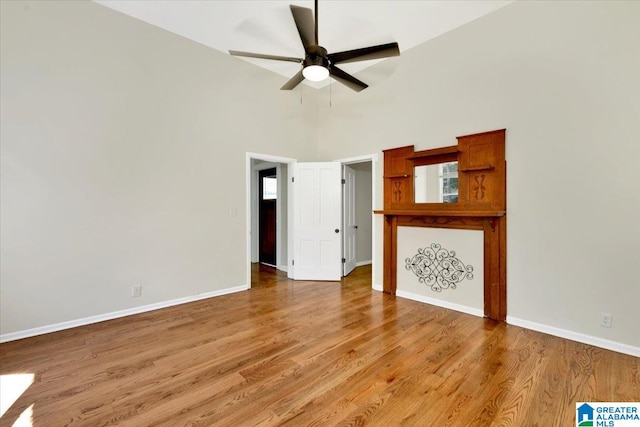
<point x="310" y="354"/>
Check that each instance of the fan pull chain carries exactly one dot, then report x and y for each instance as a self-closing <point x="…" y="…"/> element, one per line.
<point x="300" y="94"/>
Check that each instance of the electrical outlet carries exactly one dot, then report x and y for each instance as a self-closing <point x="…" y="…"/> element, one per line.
<point x="136" y="291"/>
<point x="606" y="319"/>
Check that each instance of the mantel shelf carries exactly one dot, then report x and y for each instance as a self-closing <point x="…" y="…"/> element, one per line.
<point x="402" y="175"/>
<point x="450" y="213"/>
<point x="477" y="168"/>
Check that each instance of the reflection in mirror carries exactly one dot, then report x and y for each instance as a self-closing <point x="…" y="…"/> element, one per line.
<point x="436" y="183"/>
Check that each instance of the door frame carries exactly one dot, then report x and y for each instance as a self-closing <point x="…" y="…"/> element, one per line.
<point x="254" y="208"/>
<point x="249" y="181"/>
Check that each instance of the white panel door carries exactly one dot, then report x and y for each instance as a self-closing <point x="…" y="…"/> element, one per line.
<point x="316" y="221"/>
<point x="349" y="226"/>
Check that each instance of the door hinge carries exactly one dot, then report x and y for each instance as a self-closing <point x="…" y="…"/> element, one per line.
<point x="293" y="262"/>
<point x="293" y="179"/>
<point x="344" y="260"/>
<point x="344" y="181"/>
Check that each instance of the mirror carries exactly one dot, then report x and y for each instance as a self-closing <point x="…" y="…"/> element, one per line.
<point x="436" y="183"/>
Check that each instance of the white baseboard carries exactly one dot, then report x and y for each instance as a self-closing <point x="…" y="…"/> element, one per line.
<point x="562" y="333"/>
<point x="361" y="263"/>
<point x="452" y="306"/>
<point x="12" y="336"/>
<point x="283" y="268"/>
<point x="575" y="336"/>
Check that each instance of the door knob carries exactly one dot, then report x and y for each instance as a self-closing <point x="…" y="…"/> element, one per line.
<point x="337" y="230"/>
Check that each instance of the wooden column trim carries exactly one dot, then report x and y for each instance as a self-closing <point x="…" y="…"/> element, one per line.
<point x="390" y="253"/>
<point x="491" y="269"/>
<point x="502" y="285"/>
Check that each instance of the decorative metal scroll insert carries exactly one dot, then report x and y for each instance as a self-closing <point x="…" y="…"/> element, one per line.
<point x="438" y="268"/>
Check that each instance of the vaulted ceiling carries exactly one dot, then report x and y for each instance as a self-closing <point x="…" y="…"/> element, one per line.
<point x="265" y="26"/>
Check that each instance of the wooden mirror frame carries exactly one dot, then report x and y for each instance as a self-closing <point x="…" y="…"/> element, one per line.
<point x="482" y="204"/>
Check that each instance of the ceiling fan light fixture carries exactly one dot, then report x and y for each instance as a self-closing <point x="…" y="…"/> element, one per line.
<point x="317" y="64"/>
<point x="315" y="73"/>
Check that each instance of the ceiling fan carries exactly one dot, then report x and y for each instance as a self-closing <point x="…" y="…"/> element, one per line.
<point x="317" y="64"/>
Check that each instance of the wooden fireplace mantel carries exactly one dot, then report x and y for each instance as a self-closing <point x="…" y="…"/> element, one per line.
<point x="457" y="213"/>
<point x="481" y="206"/>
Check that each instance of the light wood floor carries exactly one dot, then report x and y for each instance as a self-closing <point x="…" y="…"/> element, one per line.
<point x="311" y="353"/>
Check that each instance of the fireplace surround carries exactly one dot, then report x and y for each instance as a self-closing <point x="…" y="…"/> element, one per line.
<point x="481" y="205"/>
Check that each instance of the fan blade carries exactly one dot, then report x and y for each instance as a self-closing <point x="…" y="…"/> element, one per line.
<point x="261" y="56"/>
<point x="293" y="82"/>
<point x="365" y="54"/>
<point x="347" y="79"/>
<point x="305" y="24"/>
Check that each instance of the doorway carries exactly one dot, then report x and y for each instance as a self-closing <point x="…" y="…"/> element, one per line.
<point x="267" y="212"/>
<point x="285" y="210"/>
<point x="357" y="214"/>
<point x="255" y="163"/>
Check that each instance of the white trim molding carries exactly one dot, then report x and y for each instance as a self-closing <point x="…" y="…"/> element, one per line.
<point x="445" y="304"/>
<point x="361" y="263"/>
<point x="575" y="336"/>
<point x="12" y="336"/>
<point x="359" y="159"/>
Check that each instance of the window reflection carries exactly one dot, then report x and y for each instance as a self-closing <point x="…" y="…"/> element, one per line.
<point x="436" y="183"/>
<point x="269" y="188"/>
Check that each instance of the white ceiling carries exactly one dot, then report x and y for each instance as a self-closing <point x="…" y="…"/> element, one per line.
<point x="266" y="26"/>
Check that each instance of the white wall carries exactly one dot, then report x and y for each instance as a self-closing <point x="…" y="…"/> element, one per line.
<point x="562" y="78"/>
<point x="123" y="149"/>
<point x="123" y="153"/>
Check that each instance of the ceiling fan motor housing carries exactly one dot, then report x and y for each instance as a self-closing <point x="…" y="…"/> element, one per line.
<point x="316" y="55"/>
